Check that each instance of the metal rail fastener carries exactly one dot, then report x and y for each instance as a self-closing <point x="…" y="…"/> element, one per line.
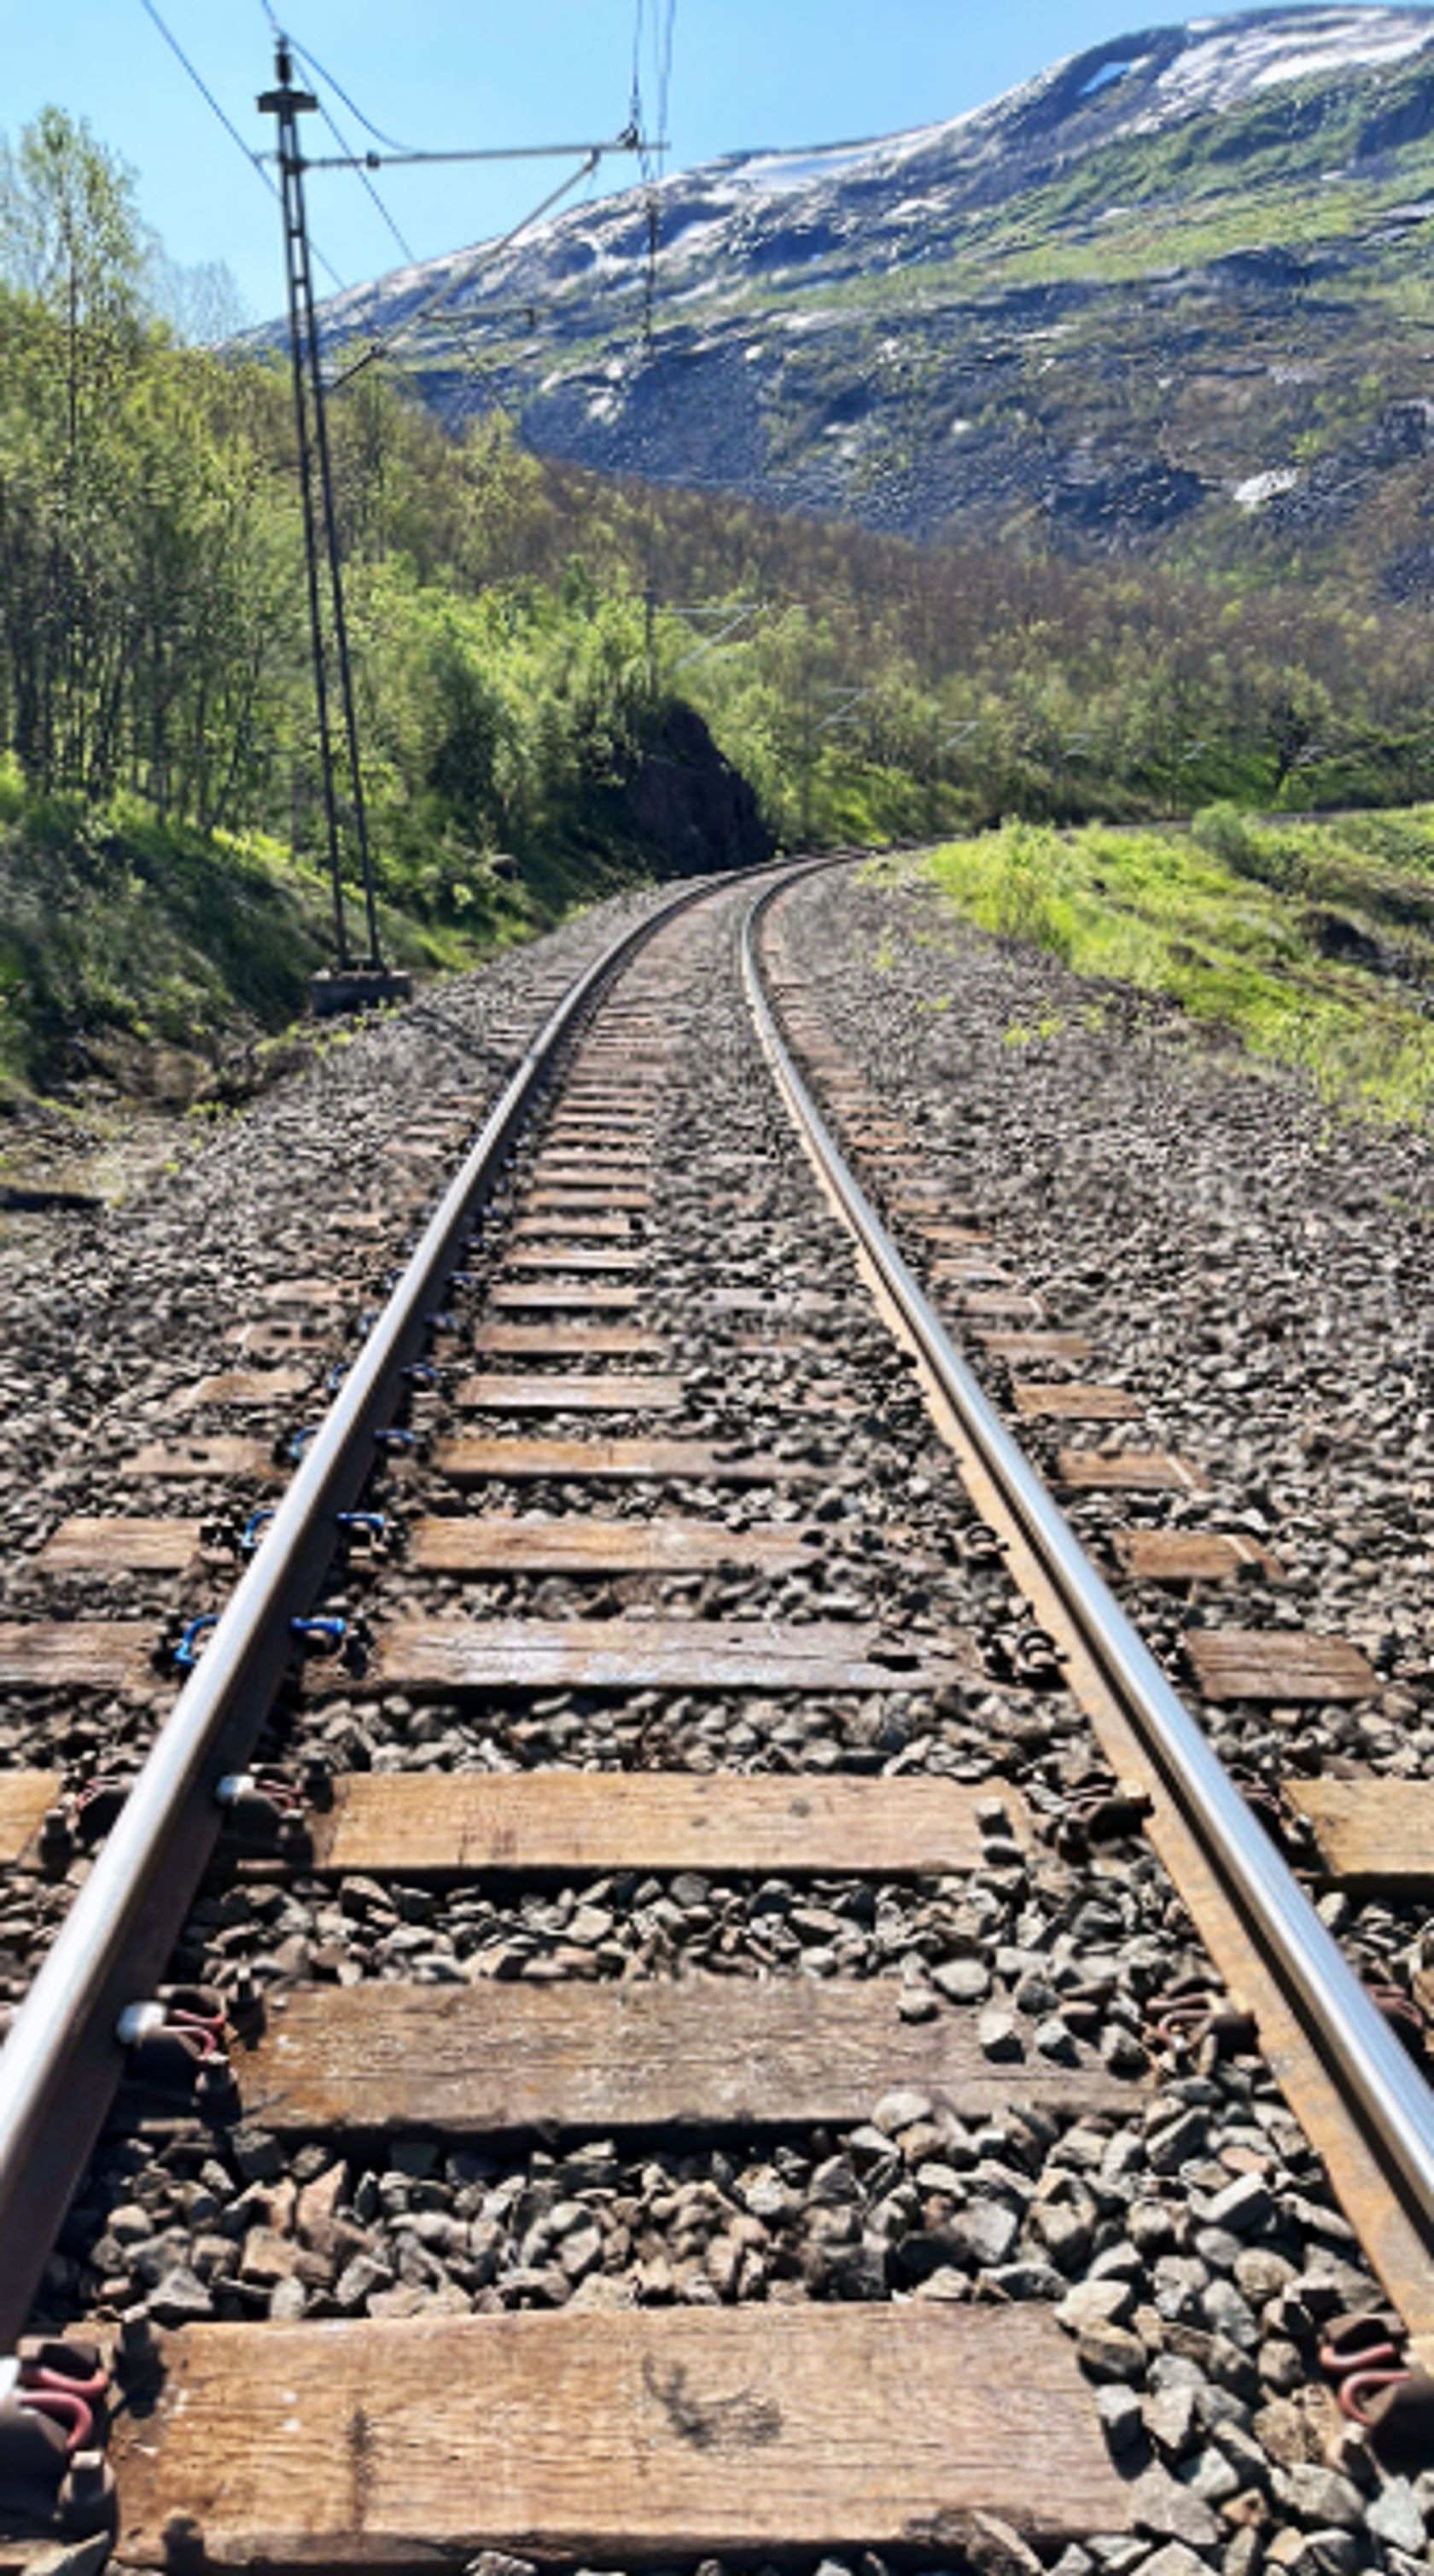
<point x="1396" y="2105"/>
<point x="62" y="2060"/>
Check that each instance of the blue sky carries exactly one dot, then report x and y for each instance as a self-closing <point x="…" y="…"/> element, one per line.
<point x="460" y="72"/>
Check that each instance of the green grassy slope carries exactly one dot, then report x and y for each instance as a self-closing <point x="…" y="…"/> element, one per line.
<point x="147" y="954"/>
<point x="1312" y="943"/>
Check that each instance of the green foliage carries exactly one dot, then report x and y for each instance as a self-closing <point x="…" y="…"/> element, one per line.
<point x="1027" y="896"/>
<point x="157" y="736"/>
<point x="1313" y="943"/>
<point x="70" y="237"/>
<point x="118" y="929"/>
<point x="152" y="631"/>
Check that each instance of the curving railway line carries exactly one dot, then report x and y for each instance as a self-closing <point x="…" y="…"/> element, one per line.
<point x="676" y="1982"/>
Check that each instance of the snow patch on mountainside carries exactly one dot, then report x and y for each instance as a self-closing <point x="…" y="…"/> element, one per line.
<point x="778" y="211"/>
<point x="1260" y="488"/>
<point x="1237" y="58"/>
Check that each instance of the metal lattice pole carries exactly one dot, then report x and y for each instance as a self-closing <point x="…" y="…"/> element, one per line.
<point x="287" y="105"/>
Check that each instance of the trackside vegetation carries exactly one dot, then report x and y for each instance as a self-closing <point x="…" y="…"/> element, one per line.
<point x="1311" y="943"/>
<point x="542" y="722"/>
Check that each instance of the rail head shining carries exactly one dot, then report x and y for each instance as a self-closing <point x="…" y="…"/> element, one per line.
<point x="1396" y="2105"/>
<point x="61" y="2062"/>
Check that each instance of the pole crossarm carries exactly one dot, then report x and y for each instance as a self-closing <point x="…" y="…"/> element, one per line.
<point x="628" y="142"/>
<point x="851" y="699"/>
<point x="736" y="619"/>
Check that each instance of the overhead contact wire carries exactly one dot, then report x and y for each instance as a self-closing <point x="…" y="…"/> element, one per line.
<point x="359" y="171"/>
<point x="230" y="128"/>
<point x="484" y="258"/>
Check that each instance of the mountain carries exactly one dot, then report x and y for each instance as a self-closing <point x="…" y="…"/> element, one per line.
<point x="1172" y="296"/>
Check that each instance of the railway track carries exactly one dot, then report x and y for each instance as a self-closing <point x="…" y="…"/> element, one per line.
<point x="677" y="1981"/>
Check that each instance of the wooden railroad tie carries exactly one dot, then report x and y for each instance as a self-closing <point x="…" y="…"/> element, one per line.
<point x="578" y="1822"/>
<point x="619" y="2438"/>
<point x="310" y="1295"/>
<point x="477" y="1543"/>
<point x="953" y="1270"/>
<point x="611" y="2056"/>
<point x="1127" y="1471"/>
<point x="1192" y="1556"/>
<point x="1374" y="1835"/>
<point x="516" y="1297"/>
<point x="569" y="1341"/>
<point x="475" y="1462"/>
<point x="591" y="1179"/>
<point x="983" y="1304"/>
<point x="572" y="1229"/>
<point x="486" y="1543"/>
<point x="1036" y="1401"/>
<point x="26" y="1798"/>
<point x="1034" y="1350"/>
<point x="595" y="1098"/>
<point x="281" y="1336"/>
<point x="571" y="1394"/>
<point x="1277" y="1664"/>
<point x="590" y="1161"/>
<point x="181" y="1459"/>
<point x="461" y="1655"/>
<point x="247" y="1386"/>
<point x="577" y="1261"/>
<point x="782" y="1302"/>
<point x="120" y="1546"/>
<point x="572" y="1198"/>
<point x="113" y="1655"/>
<point x="418" y="1152"/>
<point x="525" y="1824"/>
<point x="582" y="1136"/>
<point x="915" y="1204"/>
<point x="614" y="1125"/>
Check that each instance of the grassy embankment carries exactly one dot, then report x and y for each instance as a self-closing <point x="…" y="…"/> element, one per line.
<point x="1311" y="943"/>
<point x="154" y="958"/>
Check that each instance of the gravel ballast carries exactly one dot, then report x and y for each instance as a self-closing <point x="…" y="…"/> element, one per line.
<point x="1191" y="2247"/>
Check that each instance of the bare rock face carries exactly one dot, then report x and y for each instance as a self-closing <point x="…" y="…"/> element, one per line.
<point x="699" y="811"/>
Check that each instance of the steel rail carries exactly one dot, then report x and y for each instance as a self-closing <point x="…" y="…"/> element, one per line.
<point x="1395" y="2103"/>
<point x="61" y="2063"/>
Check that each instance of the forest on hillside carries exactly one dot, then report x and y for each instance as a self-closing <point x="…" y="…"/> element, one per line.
<point x="523" y="631"/>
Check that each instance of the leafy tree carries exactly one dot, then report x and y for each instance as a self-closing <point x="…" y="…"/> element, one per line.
<point x="202" y="304"/>
<point x="70" y="238"/>
<point x="153" y="638"/>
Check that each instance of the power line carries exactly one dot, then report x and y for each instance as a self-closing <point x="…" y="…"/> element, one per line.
<point x="337" y="86"/>
<point x="232" y="130"/>
<point x="360" y="172"/>
<point x="208" y="96"/>
<point x="735" y="615"/>
<point x="484" y="258"/>
<point x="664" y="78"/>
<point x="313" y="65"/>
<point x="409" y="253"/>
